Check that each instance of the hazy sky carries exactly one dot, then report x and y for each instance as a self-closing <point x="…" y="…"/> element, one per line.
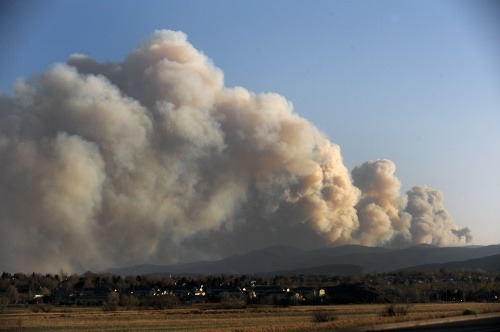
<point x="416" y="82"/>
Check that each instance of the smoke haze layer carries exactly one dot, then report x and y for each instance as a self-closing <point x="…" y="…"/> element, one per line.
<point x="153" y="160"/>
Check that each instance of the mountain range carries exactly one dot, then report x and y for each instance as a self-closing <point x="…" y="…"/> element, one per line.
<point x="342" y="260"/>
<point x="488" y="263"/>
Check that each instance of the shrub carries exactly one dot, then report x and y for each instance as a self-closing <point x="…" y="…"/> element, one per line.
<point x="4" y="301"/>
<point x="163" y="302"/>
<point x="394" y="310"/>
<point x="231" y="302"/>
<point x="13" y="294"/>
<point x="43" y="307"/>
<point x="112" y="303"/>
<point x="324" y="316"/>
<point x="128" y="301"/>
<point x="469" y="312"/>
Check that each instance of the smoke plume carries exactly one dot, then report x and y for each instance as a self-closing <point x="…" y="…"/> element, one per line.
<point x="153" y="160"/>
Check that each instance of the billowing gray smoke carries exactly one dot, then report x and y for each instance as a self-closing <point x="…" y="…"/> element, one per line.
<point x="153" y="160"/>
<point x="388" y="218"/>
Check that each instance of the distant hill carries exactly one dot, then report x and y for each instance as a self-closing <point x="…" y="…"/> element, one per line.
<point x="321" y="261"/>
<point x="330" y="269"/>
<point x="489" y="263"/>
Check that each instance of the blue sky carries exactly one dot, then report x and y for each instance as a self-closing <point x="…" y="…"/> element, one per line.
<point x="417" y="82"/>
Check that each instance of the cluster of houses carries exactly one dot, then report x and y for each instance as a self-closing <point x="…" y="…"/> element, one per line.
<point x="168" y="291"/>
<point x="184" y="294"/>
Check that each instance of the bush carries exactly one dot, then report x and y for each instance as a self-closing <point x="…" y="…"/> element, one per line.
<point x="163" y="302"/>
<point x="230" y="302"/>
<point x="128" y="301"/>
<point x="112" y="303"/>
<point x="469" y="312"/>
<point x="4" y="301"/>
<point x="13" y="294"/>
<point x="43" y="307"/>
<point x="324" y="316"/>
<point x="394" y="310"/>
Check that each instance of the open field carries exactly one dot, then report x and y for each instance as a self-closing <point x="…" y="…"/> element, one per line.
<point x="203" y="318"/>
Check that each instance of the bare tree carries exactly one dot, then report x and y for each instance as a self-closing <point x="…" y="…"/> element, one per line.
<point x="12" y="294"/>
<point x="4" y="301"/>
<point x="128" y="301"/>
<point x="112" y="303"/>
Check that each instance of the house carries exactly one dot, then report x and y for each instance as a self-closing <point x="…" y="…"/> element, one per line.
<point x="260" y="291"/>
<point x="304" y="293"/>
<point x="215" y="293"/>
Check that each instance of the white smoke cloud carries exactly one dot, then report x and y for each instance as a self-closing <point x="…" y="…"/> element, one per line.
<point x="381" y="207"/>
<point x="153" y="159"/>
<point x="431" y="223"/>
<point x="387" y="217"/>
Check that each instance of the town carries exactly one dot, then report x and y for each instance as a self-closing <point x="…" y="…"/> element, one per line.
<point x="157" y="291"/>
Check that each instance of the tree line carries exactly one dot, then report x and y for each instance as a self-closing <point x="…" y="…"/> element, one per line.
<point x="166" y="291"/>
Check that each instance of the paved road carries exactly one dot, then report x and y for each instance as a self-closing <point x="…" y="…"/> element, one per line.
<point x="480" y="324"/>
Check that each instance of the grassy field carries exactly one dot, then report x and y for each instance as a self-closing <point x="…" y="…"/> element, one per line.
<point x="203" y="318"/>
